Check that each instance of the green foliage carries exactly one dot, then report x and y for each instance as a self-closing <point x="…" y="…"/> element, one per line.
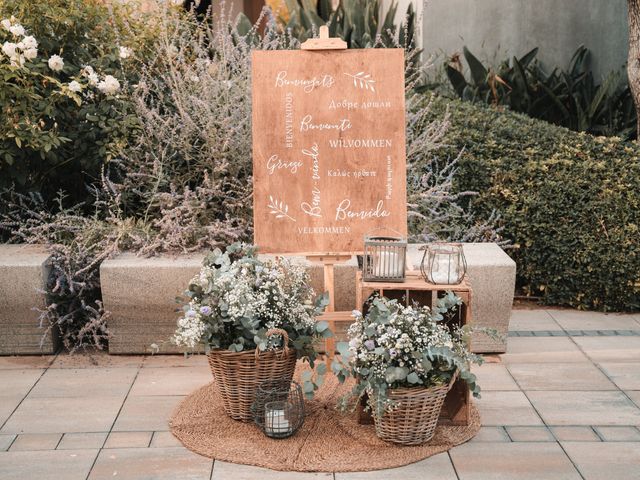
<point x="360" y="23"/>
<point x="398" y="347"/>
<point x="568" y="98"/>
<point x="53" y="137"/>
<point x="569" y="202"/>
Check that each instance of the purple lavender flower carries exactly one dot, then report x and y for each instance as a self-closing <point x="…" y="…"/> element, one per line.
<point x="393" y="353"/>
<point x="205" y="310"/>
<point x="370" y="344"/>
<point x="191" y="313"/>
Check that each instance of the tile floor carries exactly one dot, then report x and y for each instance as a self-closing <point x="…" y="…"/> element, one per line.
<point x="562" y="403"/>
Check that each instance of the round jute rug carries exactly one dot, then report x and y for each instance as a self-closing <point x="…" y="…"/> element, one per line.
<point x="329" y="440"/>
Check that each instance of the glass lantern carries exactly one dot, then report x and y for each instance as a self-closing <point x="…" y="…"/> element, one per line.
<point x="278" y="408"/>
<point x="443" y="263"/>
<point x="384" y="258"/>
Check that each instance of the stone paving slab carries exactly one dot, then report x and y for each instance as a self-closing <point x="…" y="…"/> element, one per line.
<point x="49" y="465"/>
<point x="491" y="434"/>
<point x="171" y="380"/>
<point x="611" y="349"/>
<point x="36" y="441"/>
<point x="509" y="461"/>
<point x="150" y="464"/>
<point x="438" y="467"/>
<point x="625" y="375"/>
<point x="605" y="461"/>
<point x="85" y="382"/>
<point x="560" y="376"/>
<point x="22" y="362"/>
<point x="232" y="471"/>
<point x="575" y="434"/>
<point x="619" y="434"/>
<point x="147" y="413"/>
<point x="18" y="382"/>
<point x="532" y="320"/>
<point x="494" y="376"/>
<point x="585" y="408"/>
<point x="634" y="395"/>
<point x="543" y="350"/>
<point x="530" y="434"/>
<point x="62" y="415"/>
<point x="128" y="440"/>
<point x="580" y="320"/>
<point x="75" y="441"/>
<point x="507" y="408"/>
<point x="6" y="441"/>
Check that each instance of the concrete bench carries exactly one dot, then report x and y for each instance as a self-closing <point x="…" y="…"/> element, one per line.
<point x="23" y="275"/>
<point x="139" y="293"/>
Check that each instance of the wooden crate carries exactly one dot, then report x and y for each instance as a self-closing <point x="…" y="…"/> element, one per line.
<point x="456" y="406"/>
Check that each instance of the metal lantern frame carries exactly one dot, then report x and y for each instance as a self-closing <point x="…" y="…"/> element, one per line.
<point x="286" y="393"/>
<point x="385" y="247"/>
<point x="429" y="256"/>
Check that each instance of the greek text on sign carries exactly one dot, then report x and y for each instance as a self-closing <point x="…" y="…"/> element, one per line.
<point x="328" y="148"/>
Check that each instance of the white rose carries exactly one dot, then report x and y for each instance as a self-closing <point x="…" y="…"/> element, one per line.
<point x="17" y="30"/>
<point x="109" y="85"/>
<point x="9" y="49"/>
<point x="75" y="86"/>
<point x="93" y="79"/>
<point x="6" y="24"/>
<point x="30" y="42"/>
<point x="87" y="70"/>
<point x="31" y="53"/>
<point x="56" y="63"/>
<point x="125" y="52"/>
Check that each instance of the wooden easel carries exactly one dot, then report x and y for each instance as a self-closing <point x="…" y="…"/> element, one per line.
<point x="329" y="260"/>
<point x="330" y="315"/>
<point x="324" y="42"/>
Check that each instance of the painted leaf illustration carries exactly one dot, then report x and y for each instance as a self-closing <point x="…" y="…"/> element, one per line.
<point x="362" y="80"/>
<point x="279" y="209"/>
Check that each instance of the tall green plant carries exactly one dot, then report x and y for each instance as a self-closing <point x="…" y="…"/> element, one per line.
<point x="570" y="98"/>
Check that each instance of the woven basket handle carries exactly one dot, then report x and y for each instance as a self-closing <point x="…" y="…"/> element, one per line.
<point x="283" y="334"/>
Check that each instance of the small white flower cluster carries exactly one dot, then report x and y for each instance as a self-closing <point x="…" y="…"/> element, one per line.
<point x="397" y="337"/>
<point x="26" y="46"/>
<point x="235" y="301"/>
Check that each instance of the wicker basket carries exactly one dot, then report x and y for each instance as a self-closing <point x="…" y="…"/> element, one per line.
<point x="238" y="374"/>
<point x="414" y="419"/>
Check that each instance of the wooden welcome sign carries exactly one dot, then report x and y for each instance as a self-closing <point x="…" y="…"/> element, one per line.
<point x="328" y="148"/>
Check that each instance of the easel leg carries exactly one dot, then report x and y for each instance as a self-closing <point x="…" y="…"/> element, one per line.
<point x="330" y="344"/>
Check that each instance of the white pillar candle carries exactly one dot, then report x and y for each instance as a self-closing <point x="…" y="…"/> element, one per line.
<point x="275" y="422"/>
<point x="388" y="264"/>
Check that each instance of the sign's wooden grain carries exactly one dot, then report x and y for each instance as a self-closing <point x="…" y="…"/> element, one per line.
<point x="328" y="148"/>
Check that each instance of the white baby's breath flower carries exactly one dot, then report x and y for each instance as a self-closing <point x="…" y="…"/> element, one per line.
<point x="56" y="63"/>
<point x="6" y="24"/>
<point x="30" y="42"/>
<point x="17" y="30"/>
<point x="172" y="51"/>
<point x="109" y="85"/>
<point x="30" y="53"/>
<point x="75" y="86"/>
<point x="125" y="52"/>
<point x="9" y="49"/>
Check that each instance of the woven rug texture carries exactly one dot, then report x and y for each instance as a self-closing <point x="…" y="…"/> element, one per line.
<point x="329" y="440"/>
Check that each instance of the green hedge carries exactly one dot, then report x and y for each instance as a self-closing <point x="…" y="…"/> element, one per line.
<point x="570" y="203"/>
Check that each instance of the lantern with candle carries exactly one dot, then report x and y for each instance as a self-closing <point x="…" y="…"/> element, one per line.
<point x="279" y="408"/>
<point x="443" y="263"/>
<point x="384" y="257"/>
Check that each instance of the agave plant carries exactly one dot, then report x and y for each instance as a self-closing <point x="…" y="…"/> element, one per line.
<point x="568" y="98"/>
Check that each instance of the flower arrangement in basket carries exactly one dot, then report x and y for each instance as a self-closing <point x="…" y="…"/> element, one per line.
<point x="254" y="318"/>
<point x="405" y="360"/>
